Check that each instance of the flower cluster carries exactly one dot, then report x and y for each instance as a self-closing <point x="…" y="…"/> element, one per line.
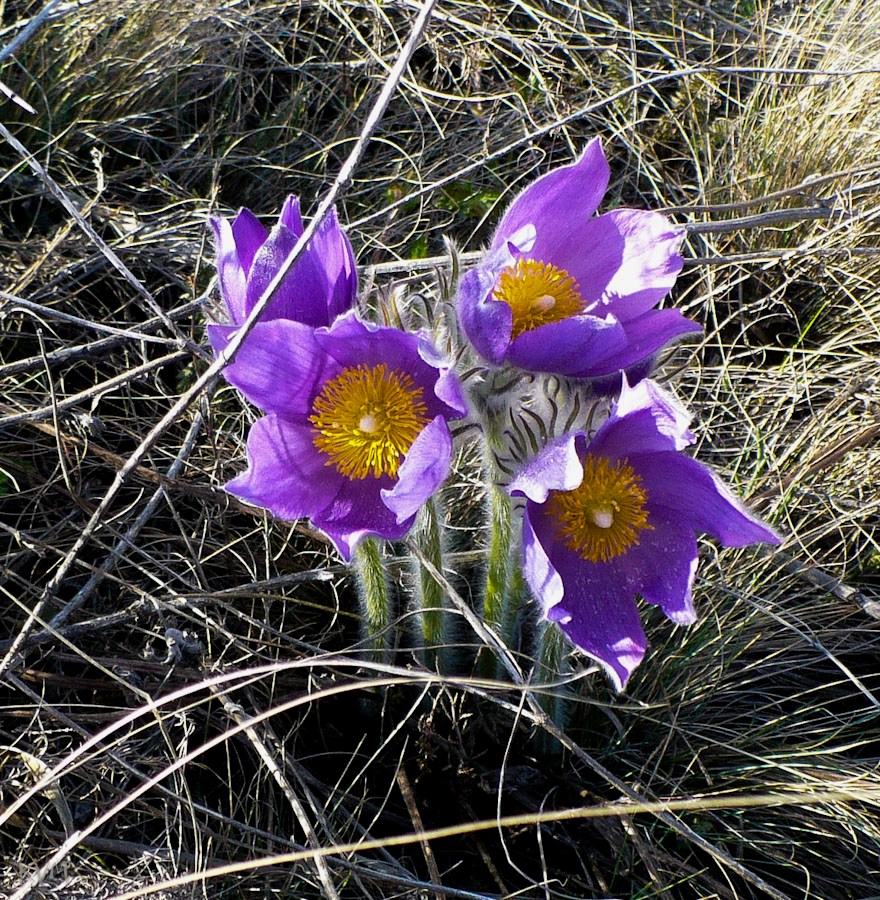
<point x="356" y="433"/>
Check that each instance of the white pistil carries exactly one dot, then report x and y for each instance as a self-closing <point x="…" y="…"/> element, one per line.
<point x="602" y="517"/>
<point x="544" y="302"/>
<point x="368" y="424"/>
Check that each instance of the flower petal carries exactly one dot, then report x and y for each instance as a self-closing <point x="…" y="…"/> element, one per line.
<point x="488" y="323"/>
<point x="644" y="337"/>
<point x="663" y="566"/>
<point x="286" y="473"/>
<point x="358" y="511"/>
<point x="569" y="347"/>
<point x="650" y="264"/>
<point x="557" y="467"/>
<point x="321" y="285"/>
<point x="249" y="234"/>
<point x="598" y="612"/>
<point x="632" y="262"/>
<point x="645" y="419"/>
<point x="323" y="282"/>
<point x="687" y="489"/>
<point x="330" y="253"/>
<point x="267" y="262"/>
<point x="423" y="470"/>
<point x="543" y="579"/>
<point x="219" y="336"/>
<point x="349" y="342"/>
<point x="237" y="243"/>
<point x="448" y="388"/>
<point x="302" y="295"/>
<point x="277" y="367"/>
<point x="290" y="216"/>
<point x="558" y="204"/>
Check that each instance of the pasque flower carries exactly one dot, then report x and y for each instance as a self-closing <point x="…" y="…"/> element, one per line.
<point x="321" y="285"/>
<point x="355" y="435"/>
<point x="616" y="516"/>
<point x="564" y="291"/>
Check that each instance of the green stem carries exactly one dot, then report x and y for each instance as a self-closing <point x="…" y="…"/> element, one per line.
<point x="551" y="666"/>
<point x="510" y="626"/>
<point x="498" y="564"/>
<point x="429" y="594"/>
<point x="375" y="599"/>
<point x="498" y="568"/>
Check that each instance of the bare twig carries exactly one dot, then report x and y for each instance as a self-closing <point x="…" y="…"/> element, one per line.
<point x="28" y="30"/>
<point x="54" y="188"/>
<point x="238" y="715"/>
<point x="47" y="412"/>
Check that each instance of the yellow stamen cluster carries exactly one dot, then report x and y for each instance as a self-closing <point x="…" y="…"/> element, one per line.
<point x="604" y="516"/>
<point x="537" y="293"/>
<point x="366" y="419"/>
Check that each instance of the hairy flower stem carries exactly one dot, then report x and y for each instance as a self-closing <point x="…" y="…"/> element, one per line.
<point x="510" y="626"/>
<point x="550" y="666"/>
<point x="495" y="598"/>
<point x="429" y="594"/>
<point x="375" y="599"/>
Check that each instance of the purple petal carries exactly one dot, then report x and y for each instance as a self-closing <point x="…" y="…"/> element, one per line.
<point x="350" y="342"/>
<point x="568" y="347"/>
<point x="686" y="489"/>
<point x="422" y="472"/>
<point x="230" y="274"/>
<point x="598" y="612"/>
<point x="448" y="388"/>
<point x="290" y="216"/>
<point x="644" y="337"/>
<point x="358" y="511"/>
<point x="249" y="235"/>
<point x="645" y="419"/>
<point x="278" y="367"/>
<point x="558" y="204"/>
<point x="323" y="282"/>
<point x="330" y="254"/>
<point x="543" y="579"/>
<point x="302" y="295"/>
<point x="487" y="323"/>
<point x="557" y="467"/>
<point x="651" y="261"/>
<point x="219" y="336"/>
<point x="286" y="473"/>
<point x="631" y="260"/>
<point x="268" y="260"/>
<point x="663" y="565"/>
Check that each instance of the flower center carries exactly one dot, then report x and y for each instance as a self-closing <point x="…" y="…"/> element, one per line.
<point x="605" y="514"/>
<point x="366" y="419"/>
<point x="537" y="293"/>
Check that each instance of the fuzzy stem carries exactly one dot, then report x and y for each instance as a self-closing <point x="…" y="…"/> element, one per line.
<point x="510" y="626"/>
<point x="429" y="594"/>
<point x="495" y="599"/>
<point x="549" y="667"/>
<point x="375" y="599"/>
<point x="498" y="565"/>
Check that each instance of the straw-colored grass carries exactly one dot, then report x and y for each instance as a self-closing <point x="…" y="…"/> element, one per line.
<point x="247" y="762"/>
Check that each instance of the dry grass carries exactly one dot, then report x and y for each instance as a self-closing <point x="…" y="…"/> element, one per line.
<point x="759" y="727"/>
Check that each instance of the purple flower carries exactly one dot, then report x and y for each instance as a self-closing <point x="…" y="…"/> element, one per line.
<point x="321" y="286"/>
<point x="614" y="517"/>
<point x="567" y="292"/>
<point x="355" y="435"/>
